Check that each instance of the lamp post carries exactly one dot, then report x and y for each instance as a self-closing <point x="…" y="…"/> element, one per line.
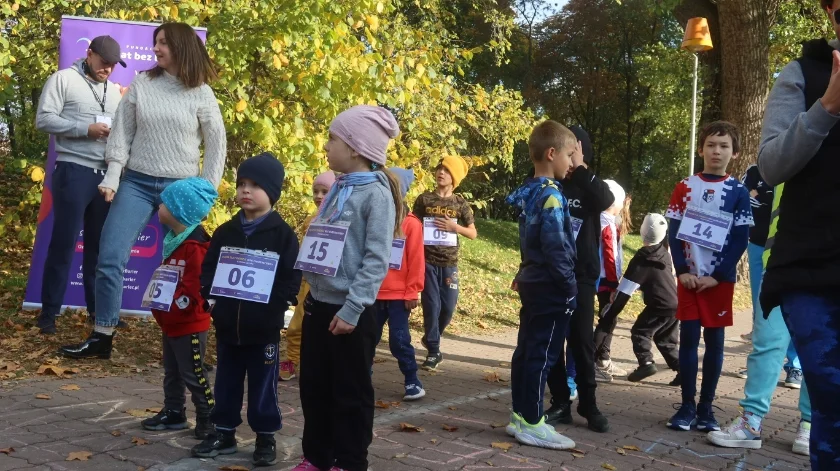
<point x="697" y="39"/>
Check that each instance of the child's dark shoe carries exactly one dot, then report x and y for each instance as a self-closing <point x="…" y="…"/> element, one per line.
<point x="595" y="419"/>
<point x="685" y="418"/>
<point x="265" y="450"/>
<point x="217" y="443"/>
<point x="706" y="418"/>
<point x="559" y="413"/>
<point x="167" y="419"/>
<point x="642" y="372"/>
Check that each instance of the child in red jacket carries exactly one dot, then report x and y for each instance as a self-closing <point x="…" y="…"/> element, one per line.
<point x="400" y="292"/>
<point x="176" y="302"/>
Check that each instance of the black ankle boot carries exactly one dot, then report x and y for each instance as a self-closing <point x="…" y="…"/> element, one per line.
<point x="559" y="413"/>
<point x="596" y="421"/>
<point x="97" y="345"/>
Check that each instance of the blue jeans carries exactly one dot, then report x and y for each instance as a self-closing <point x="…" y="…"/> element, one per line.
<point x="440" y="296"/>
<point x="770" y="341"/>
<point x="754" y="254"/>
<point x="137" y="199"/>
<point x="399" y="336"/>
<point x="712" y="360"/>
<point x="814" y="323"/>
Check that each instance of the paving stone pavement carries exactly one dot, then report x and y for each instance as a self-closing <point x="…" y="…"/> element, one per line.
<point x="44" y="431"/>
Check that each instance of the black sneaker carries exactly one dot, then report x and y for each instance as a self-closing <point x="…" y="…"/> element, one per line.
<point x="560" y="413"/>
<point x="265" y="450"/>
<point x="642" y="372"/>
<point x="596" y="420"/>
<point x="97" y="345"/>
<point x="432" y="361"/>
<point x="203" y="427"/>
<point x="167" y="419"/>
<point x="217" y="443"/>
<point x="676" y="381"/>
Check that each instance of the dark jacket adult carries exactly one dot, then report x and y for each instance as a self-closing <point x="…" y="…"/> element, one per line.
<point x="248" y="322"/>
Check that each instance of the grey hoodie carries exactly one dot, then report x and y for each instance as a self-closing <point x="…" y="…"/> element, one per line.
<point x="68" y="107"/>
<point x="364" y="260"/>
<point x="791" y="135"/>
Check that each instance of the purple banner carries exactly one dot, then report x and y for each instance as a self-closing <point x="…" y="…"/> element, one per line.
<point x="136" y="43"/>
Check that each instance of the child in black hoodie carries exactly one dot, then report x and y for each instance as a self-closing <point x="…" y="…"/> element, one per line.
<point x="249" y="274"/>
<point x="651" y="271"/>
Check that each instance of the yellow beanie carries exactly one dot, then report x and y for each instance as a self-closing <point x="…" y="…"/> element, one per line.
<point x="457" y="167"/>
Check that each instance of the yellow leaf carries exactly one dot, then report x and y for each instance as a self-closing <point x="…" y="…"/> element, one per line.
<point x="278" y="64"/>
<point x="410" y="83"/>
<point x="173" y="12"/>
<point x="116" y="433"/>
<point x="139" y="441"/>
<point x="78" y="456"/>
<point x="15" y="6"/>
<point x="358" y="24"/>
<point x="631" y="447"/>
<point x="152" y="12"/>
<point x="137" y="413"/>
<point x="450" y="428"/>
<point x="379" y="7"/>
<point x="578" y="455"/>
<point x="406" y="427"/>
<point x="70" y="387"/>
<point x="608" y="466"/>
<point x="241" y="105"/>
<point x="42" y="396"/>
<point x="37" y="174"/>
<point x="502" y="445"/>
<point x="373" y="22"/>
<point x="620" y="451"/>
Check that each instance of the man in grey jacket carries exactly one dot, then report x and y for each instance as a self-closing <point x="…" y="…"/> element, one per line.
<point x="76" y="107"/>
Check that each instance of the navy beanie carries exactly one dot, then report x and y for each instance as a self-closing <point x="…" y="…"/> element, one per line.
<point x="266" y="171"/>
<point x="585" y="143"/>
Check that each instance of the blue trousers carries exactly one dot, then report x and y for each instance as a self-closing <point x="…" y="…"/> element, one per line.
<point x="77" y="205"/>
<point x="260" y="363"/>
<point x="542" y="329"/>
<point x="814" y="323"/>
<point x="771" y="341"/>
<point x="399" y="336"/>
<point x="712" y="360"/>
<point x="440" y="296"/>
<point x="754" y="254"/>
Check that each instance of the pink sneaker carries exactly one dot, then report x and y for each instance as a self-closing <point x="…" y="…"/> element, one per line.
<point x="287" y="370"/>
<point x="305" y="465"/>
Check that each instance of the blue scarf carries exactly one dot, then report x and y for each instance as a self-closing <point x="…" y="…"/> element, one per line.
<point x="250" y="226"/>
<point x="343" y="187"/>
<point x="173" y="241"/>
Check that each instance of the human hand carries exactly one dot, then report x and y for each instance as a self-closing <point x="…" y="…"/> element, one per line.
<point x="612" y="296"/>
<point x="688" y="281"/>
<point x="107" y="193"/>
<point x="98" y="131"/>
<point x="753" y="193"/>
<point x="831" y="99"/>
<point x="447" y="224"/>
<point x="577" y="157"/>
<point x="706" y="282"/>
<point x="410" y="305"/>
<point x="339" y="327"/>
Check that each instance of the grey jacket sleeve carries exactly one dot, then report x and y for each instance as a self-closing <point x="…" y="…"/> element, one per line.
<point x="791" y="134"/>
<point x="50" y="106"/>
<point x="379" y="235"/>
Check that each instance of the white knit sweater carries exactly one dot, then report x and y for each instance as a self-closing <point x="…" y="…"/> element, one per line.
<point x="158" y="129"/>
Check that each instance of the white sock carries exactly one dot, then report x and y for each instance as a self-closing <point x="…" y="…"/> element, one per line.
<point x="104" y="330"/>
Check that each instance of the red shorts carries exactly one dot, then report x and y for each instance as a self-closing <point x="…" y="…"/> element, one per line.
<point x="712" y="307"/>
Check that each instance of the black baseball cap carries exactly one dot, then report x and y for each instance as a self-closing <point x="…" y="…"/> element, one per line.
<point x="107" y="48"/>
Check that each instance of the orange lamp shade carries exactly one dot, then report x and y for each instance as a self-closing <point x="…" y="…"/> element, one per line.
<point x="697" y="35"/>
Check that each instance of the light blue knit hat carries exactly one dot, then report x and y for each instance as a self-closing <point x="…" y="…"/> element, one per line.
<point x="189" y="200"/>
<point x="406" y="178"/>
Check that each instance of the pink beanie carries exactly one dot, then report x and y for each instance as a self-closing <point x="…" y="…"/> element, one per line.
<point x="326" y="179"/>
<point x="367" y="130"/>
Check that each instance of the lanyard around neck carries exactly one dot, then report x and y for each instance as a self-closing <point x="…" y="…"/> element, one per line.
<point x="99" y="100"/>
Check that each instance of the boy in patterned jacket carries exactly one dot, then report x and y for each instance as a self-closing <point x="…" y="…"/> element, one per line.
<point x="710" y="217"/>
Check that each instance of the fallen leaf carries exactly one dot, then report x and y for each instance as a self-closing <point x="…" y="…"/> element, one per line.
<point x="504" y="364"/>
<point x="380" y="404"/>
<point x="7" y="451"/>
<point x="620" y="451"/>
<point x="502" y="445"/>
<point x="578" y="455"/>
<point x="78" y="456"/>
<point x="452" y="408"/>
<point x="56" y="370"/>
<point x="153" y="364"/>
<point x="492" y="377"/>
<point x="116" y="433"/>
<point x="489" y="463"/>
<point x="483" y="325"/>
<point x="396" y="404"/>
<point x="37" y="354"/>
<point x="575" y="450"/>
<point x="631" y="447"/>
<point x="433" y="441"/>
<point x="450" y="428"/>
<point x="233" y="467"/>
<point x="400" y="455"/>
<point x="379" y="360"/>
<point x="139" y="441"/>
<point x="138" y="413"/>
<point x="19" y="328"/>
<point x="9" y="366"/>
<point x="70" y="387"/>
<point x="42" y="396"/>
<point x="499" y="425"/>
<point x="608" y="466"/>
<point x="153" y="410"/>
<point x="406" y="427"/>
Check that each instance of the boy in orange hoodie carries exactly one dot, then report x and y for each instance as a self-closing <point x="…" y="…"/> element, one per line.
<point x="400" y="292"/>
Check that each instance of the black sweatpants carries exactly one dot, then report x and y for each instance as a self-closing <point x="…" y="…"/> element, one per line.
<point x="336" y="390"/>
<point x="663" y="329"/>
<point x="260" y="363"/>
<point x="582" y="345"/>
<point x="542" y="331"/>
<point x="604" y="329"/>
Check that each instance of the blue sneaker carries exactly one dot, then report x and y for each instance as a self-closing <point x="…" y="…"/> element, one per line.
<point x="573" y="392"/>
<point x="706" y="418"/>
<point x="413" y="392"/>
<point x="685" y="418"/>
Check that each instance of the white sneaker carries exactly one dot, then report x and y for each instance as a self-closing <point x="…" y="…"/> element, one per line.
<point x="802" y="444"/>
<point x="613" y="369"/>
<point x="514" y="425"/>
<point x="602" y="375"/>
<point x="542" y="435"/>
<point x="738" y="434"/>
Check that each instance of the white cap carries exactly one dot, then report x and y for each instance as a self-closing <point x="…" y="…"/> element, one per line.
<point x="618" y="193"/>
<point x="653" y="229"/>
